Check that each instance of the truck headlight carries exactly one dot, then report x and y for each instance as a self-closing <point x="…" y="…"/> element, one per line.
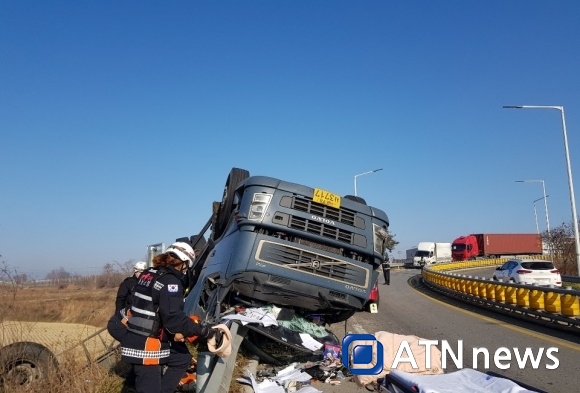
<point x="259" y="206"/>
<point x="380" y="239"/>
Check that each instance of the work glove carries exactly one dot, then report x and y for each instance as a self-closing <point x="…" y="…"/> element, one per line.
<point x="208" y="332"/>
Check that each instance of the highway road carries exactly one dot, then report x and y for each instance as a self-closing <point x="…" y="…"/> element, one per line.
<point x="407" y="310"/>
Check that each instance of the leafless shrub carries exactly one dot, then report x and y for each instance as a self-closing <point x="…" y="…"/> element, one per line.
<point x="563" y="248"/>
<point x="8" y="290"/>
<point x="71" y="377"/>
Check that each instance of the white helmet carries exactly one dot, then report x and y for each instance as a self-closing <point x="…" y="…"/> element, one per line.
<point x="139" y="266"/>
<point x="182" y="251"/>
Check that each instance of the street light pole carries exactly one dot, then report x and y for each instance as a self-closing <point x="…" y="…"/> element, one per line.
<point x="545" y="200"/>
<point x="365" y="173"/>
<point x="570" y="182"/>
<point x="536" y="214"/>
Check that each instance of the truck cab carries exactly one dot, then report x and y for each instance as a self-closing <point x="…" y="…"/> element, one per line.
<point x="410" y="255"/>
<point x="464" y="248"/>
<point x="429" y="253"/>
<point x="425" y="254"/>
<point x="279" y="243"/>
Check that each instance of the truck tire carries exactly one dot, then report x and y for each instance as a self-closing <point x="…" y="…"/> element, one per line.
<point x="224" y="212"/>
<point x="25" y="364"/>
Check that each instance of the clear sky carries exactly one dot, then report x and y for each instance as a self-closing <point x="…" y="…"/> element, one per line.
<point x="120" y="120"/>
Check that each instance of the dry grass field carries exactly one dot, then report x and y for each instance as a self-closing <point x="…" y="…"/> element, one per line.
<point x="71" y="303"/>
<point x="63" y="303"/>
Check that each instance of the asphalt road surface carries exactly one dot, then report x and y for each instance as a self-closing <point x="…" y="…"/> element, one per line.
<point x="407" y="310"/>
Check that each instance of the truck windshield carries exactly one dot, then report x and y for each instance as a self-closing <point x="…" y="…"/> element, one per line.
<point x="458" y="247"/>
<point x="422" y="254"/>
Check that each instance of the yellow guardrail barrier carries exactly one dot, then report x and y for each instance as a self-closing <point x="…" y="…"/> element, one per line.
<point x="552" y="303"/>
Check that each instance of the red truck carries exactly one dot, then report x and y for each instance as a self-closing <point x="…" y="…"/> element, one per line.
<point x="486" y="245"/>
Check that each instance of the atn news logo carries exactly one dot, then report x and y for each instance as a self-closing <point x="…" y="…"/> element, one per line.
<point x="358" y="351"/>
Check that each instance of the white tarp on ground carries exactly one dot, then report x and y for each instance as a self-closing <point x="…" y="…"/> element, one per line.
<point x="391" y="344"/>
<point x="465" y="380"/>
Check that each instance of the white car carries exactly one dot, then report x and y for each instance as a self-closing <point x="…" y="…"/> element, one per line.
<point x="527" y="271"/>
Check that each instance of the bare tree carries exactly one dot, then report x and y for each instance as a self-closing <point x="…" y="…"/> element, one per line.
<point x="126" y="267"/>
<point x="563" y="248"/>
<point x="391" y="243"/>
<point x="58" y="274"/>
<point x="8" y="289"/>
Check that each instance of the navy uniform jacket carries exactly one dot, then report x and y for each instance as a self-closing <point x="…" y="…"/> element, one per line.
<point x="124" y="293"/>
<point x="168" y="295"/>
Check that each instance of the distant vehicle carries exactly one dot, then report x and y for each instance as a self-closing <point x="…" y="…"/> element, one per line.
<point x="429" y="253"/>
<point x="522" y="271"/>
<point x="486" y="245"/>
<point x="410" y="255"/>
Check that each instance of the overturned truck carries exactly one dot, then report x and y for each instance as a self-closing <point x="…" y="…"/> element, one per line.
<point x="306" y="250"/>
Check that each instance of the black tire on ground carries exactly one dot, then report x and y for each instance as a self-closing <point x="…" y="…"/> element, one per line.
<point x="25" y="364"/>
<point x="356" y="199"/>
<point x="235" y="177"/>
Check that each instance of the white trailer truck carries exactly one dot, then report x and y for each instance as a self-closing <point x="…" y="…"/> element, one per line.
<point x="429" y="253"/>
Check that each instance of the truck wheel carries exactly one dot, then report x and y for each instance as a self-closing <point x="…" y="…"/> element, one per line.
<point x="235" y="177"/>
<point x="25" y="364"/>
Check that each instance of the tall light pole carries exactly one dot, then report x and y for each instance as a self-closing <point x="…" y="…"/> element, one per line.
<point x="545" y="200"/>
<point x="536" y="214"/>
<point x="570" y="182"/>
<point x="364" y="173"/>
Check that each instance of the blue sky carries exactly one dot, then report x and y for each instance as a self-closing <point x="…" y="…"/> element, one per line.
<point x="119" y="121"/>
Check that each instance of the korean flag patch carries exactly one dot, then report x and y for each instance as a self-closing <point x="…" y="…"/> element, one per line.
<point x="172" y="287"/>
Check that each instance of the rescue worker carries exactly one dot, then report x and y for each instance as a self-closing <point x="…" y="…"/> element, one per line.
<point x="158" y="325"/>
<point x="117" y="324"/>
<point x="386" y="265"/>
<point x="125" y="291"/>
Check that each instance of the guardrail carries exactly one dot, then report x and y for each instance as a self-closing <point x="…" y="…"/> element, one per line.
<point x="574" y="279"/>
<point x="554" y="305"/>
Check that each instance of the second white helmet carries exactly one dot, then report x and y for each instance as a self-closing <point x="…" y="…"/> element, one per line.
<point x="139" y="266"/>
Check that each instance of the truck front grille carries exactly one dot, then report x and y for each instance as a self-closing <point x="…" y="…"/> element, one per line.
<point x="303" y="261"/>
<point x="321" y="229"/>
<point x="307" y="205"/>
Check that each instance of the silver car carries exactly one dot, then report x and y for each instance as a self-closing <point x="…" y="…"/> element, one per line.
<point x="527" y="271"/>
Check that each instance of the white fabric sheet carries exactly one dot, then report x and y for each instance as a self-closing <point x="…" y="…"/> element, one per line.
<point x="464" y="380"/>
